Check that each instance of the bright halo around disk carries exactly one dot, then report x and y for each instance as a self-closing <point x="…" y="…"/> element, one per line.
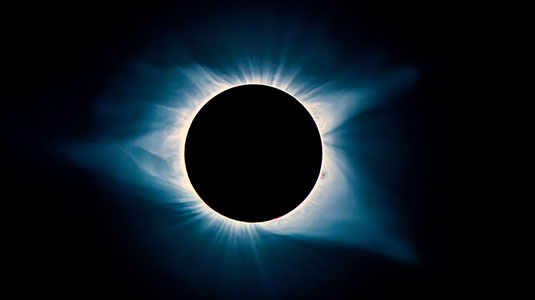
<point x="213" y="84"/>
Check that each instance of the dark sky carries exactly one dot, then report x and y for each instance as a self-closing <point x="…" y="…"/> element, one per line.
<point x="67" y="231"/>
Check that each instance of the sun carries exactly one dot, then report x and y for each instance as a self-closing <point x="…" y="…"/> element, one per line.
<point x="208" y="84"/>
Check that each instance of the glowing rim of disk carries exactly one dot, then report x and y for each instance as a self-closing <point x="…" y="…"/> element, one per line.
<point x="206" y="208"/>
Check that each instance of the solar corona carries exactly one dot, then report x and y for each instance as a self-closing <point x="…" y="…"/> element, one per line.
<point x="258" y="146"/>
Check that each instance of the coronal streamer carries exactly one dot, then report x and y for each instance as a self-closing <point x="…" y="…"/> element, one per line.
<point x="146" y="115"/>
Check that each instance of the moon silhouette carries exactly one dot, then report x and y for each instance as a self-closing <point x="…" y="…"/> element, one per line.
<point x="253" y="153"/>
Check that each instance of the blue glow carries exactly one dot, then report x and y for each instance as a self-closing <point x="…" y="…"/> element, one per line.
<point x="146" y="113"/>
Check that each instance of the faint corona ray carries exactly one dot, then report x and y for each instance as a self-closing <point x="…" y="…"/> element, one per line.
<point x="333" y="209"/>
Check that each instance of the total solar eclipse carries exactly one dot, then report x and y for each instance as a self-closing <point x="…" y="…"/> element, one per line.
<point x="253" y="153"/>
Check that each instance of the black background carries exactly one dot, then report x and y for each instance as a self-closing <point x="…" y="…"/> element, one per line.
<point x="62" y="228"/>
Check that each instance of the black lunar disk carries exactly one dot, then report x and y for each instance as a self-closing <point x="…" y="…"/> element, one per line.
<point x="253" y="153"/>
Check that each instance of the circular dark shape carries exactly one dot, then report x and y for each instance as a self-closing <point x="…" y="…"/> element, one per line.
<point x="253" y="153"/>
